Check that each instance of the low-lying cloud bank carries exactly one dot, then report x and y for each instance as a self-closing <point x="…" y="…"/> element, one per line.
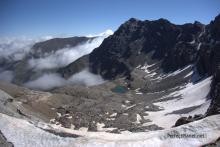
<point x="65" y="56"/>
<point x="13" y="50"/>
<point x="53" y="80"/>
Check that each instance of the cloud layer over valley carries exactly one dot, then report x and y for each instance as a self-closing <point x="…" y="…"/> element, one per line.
<point x="53" y="80"/>
<point x="67" y="55"/>
<point x="14" y="52"/>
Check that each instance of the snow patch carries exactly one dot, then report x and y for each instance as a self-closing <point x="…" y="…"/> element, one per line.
<point x="113" y="115"/>
<point x="178" y="71"/>
<point x="189" y="74"/>
<point x="100" y="127"/>
<point x="138" y="121"/>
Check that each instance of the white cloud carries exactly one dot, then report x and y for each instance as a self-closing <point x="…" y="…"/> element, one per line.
<point x="105" y="34"/>
<point x="66" y="56"/>
<point x="53" y="80"/>
<point x="46" y="82"/>
<point x="86" y="78"/>
<point x="16" y="48"/>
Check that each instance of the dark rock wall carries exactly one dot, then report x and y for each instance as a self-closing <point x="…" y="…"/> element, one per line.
<point x="175" y="45"/>
<point x="215" y="65"/>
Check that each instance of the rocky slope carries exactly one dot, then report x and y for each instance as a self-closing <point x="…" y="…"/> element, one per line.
<point x="62" y="117"/>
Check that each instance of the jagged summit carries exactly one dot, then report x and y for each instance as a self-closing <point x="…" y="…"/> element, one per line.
<point x="134" y="39"/>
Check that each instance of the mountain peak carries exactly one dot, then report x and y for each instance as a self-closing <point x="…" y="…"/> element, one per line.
<point x="133" y="19"/>
<point x="105" y="34"/>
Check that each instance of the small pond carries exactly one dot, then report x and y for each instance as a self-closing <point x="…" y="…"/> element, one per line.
<point x="119" y="89"/>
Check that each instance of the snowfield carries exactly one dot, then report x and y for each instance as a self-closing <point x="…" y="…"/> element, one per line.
<point x="23" y="133"/>
<point x="192" y="95"/>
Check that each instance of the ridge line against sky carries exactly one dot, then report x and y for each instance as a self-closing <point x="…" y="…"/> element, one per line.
<point x="83" y="17"/>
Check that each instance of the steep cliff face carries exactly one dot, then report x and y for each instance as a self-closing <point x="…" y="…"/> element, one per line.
<point x="210" y="59"/>
<point x="208" y="62"/>
<point x="209" y="48"/>
<point x="136" y="42"/>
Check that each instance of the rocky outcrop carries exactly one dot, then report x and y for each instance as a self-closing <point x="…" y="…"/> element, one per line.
<point x="4" y="142"/>
<point x="186" y="120"/>
<point x="216" y="143"/>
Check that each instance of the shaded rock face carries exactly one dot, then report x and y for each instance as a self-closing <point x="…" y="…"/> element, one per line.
<point x="209" y="62"/>
<point x="208" y="54"/>
<point x="131" y="44"/>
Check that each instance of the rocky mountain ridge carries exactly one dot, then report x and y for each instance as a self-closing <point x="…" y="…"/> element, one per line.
<point x="55" y="44"/>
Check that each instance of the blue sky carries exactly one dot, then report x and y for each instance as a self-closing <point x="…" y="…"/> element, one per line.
<point x="83" y="17"/>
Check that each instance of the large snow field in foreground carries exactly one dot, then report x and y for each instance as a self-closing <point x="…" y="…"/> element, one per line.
<point x="25" y="134"/>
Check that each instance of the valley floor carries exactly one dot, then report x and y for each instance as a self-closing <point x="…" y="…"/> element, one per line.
<point x="115" y="113"/>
